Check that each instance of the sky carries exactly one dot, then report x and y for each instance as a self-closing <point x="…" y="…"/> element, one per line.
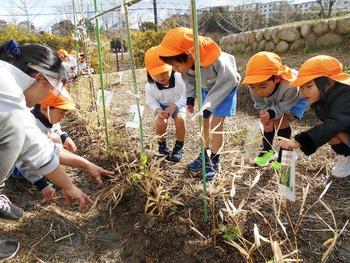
<point x="45" y="13"/>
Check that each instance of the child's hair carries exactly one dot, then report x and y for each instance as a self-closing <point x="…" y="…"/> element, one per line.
<point x="181" y="58"/>
<point x="35" y="54"/>
<point x="321" y="84"/>
<point x="149" y="78"/>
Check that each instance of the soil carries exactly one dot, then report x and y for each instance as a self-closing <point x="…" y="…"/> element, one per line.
<point x="123" y="230"/>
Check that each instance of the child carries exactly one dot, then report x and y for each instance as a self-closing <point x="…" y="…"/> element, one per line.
<point x="269" y="87"/>
<point x="219" y="87"/>
<point x="327" y="89"/>
<point x="165" y="95"/>
<point x="48" y="114"/>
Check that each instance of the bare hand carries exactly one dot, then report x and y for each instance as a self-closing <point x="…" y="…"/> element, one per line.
<point x="73" y="193"/>
<point x="190" y="109"/>
<point x="69" y="145"/>
<point x="287" y="144"/>
<point x="171" y="109"/>
<point x="49" y="193"/>
<point x="164" y="115"/>
<point x="96" y="172"/>
<point x="264" y="117"/>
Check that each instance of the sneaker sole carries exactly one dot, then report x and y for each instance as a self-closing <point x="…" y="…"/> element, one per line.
<point x="13" y="254"/>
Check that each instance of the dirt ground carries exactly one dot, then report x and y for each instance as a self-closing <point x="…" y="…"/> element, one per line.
<point x="120" y="228"/>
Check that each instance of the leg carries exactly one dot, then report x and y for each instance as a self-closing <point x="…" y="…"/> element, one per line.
<point x="342" y="167"/>
<point x="180" y="125"/>
<point x="161" y="126"/>
<point x="267" y="153"/>
<point x="206" y="132"/>
<point x="217" y="136"/>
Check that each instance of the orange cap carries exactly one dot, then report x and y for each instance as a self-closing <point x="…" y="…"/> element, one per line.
<point x="263" y="65"/>
<point x="58" y="101"/>
<point x="153" y="63"/>
<point x="180" y="40"/>
<point x="321" y="66"/>
<point x="62" y="54"/>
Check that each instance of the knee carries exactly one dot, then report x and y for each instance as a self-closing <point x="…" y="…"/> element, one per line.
<point x="160" y="121"/>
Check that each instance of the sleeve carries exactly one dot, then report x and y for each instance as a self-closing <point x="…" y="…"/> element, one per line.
<point x="181" y="92"/>
<point x="227" y="78"/>
<point x="56" y="128"/>
<point x="151" y="100"/>
<point x="190" y="87"/>
<point x="39" y="154"/>
<point x="289" y="99"/>
<point x="337" y="121"/>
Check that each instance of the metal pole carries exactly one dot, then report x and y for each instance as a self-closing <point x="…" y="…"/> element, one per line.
<point x="100" y="69"/>
<point x="75" y="31"/>
<point x="155" y="14"/>
<point x="199" y="96"/>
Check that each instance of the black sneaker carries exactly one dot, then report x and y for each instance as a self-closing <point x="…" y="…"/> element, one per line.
<point x="8" y="211"/>
<point x="163" y="149"/>
<point x="8" y="248"/>
<point x="177" y="154"/>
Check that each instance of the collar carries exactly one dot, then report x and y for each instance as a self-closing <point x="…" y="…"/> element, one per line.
<point x="171" y="82"/>
<point x="41" y="117"/>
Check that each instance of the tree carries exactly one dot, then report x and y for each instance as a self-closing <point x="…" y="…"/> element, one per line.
<point x="26" y="6"/>
<point x="176" y="20"/>
<point x="282" y="13"/>
<point x="148" y="26"/>
<point x="63" y="28"/>
<point x="326" y="5"/>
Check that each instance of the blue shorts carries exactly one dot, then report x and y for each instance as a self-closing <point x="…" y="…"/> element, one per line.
<point x="163" y="106"/>
<point x="299" y="108"/>
<point x="227" y="107"/>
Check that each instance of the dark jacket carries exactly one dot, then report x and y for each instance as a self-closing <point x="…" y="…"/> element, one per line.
<point x="334" y="112"/>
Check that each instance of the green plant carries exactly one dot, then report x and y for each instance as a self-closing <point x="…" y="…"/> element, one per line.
<point x="142" y="41"/>
<point x="230" y="232"/>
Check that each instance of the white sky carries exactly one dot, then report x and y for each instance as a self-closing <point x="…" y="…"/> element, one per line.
<point x="47" y="12"/>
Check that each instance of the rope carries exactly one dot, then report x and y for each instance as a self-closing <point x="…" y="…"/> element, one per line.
<point x="100" y="69"/>
<point x="199" y="96"/>
<point x="133" y="72"/>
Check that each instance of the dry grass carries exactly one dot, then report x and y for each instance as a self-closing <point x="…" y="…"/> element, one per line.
<point x="155" y="212"/>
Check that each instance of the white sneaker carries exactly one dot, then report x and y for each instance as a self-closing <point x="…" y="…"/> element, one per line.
<point x="342" y="167"/>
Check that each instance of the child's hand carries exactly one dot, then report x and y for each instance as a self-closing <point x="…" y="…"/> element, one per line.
<point x="264" y="117"/>
<point x="69" y="145"/>
<point x="171" y="109"/>
<point x="96" y="172"/>
<point x="49" y="193"/>
<point x="287" y="144"/>
<point x="72" y="193"/>
<point x="164" y="115"/>
<point x="190" y="108"/>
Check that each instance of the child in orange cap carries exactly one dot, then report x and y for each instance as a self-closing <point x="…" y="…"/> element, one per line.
<point x="165" y="95"/>
<point x="220" y="80"/>
<point x="270" y="89"/>
<point x="48" y="114"/>
<point x="327" y="89"/>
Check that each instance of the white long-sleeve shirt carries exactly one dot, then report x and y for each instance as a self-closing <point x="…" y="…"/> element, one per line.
<point x="174" y="94"/>
<point x="39" y="154"/>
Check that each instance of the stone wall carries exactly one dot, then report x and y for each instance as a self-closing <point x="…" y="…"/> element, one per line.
<point x="279" y="39"/>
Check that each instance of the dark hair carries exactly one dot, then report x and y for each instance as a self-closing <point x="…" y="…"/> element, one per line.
<point x="322" y="83"/>
<point x="181" y="58"/>
<point x="149" y="78"/>
<point x="21" y="56"/>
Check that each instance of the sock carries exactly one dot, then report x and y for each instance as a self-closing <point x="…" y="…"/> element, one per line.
<point x="267" y="141"/>
<point x="286" y="133"/>
<point x="341" y="149"/>
<point x="215" y="158"/>
<point x="179" y="144"/>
